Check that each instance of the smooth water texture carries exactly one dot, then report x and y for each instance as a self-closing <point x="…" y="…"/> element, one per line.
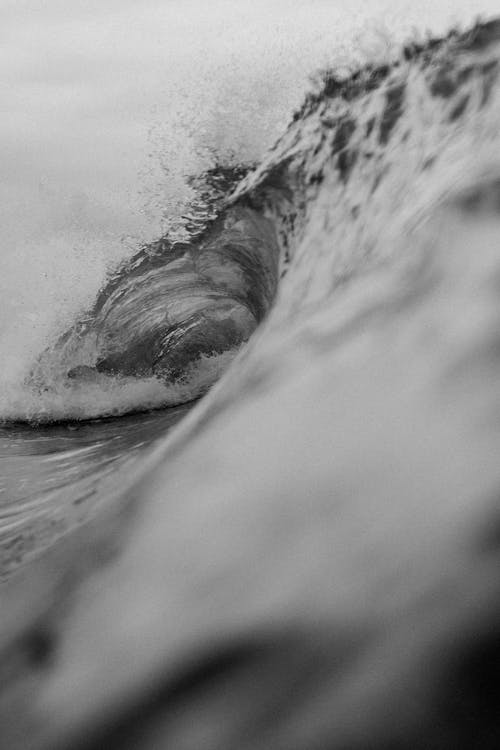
<point x="54" y="477"/>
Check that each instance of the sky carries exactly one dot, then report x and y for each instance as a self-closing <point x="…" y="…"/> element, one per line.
<point x="106" y="106"/>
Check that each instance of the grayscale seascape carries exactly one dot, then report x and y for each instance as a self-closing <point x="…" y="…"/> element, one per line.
<point x="249" y="397"/>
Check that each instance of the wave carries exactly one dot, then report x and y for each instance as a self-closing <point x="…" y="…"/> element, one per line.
<point x="327" y="517"/>
<point x="201" y="291"/>
<point x="167" y="323"/>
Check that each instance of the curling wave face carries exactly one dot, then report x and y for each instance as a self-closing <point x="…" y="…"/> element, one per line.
<point x="165" y="326"/>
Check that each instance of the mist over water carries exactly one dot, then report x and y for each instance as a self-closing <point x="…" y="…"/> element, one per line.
<point x="108" y="108"/>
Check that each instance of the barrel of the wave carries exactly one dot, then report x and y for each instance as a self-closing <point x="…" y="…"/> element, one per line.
<point x="166" y="312"/>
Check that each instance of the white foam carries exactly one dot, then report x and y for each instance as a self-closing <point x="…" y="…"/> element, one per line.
<point x="107" y="396"/>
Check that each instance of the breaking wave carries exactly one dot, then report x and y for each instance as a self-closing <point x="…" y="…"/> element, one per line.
<point x="166" y="324"/>
<point x="101" y="323"/>
<point x="79" y="203"/>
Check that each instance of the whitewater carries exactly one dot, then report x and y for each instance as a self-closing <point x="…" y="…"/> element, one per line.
<point x="248" y="391"/>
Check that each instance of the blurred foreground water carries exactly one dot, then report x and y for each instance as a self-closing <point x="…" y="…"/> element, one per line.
<point x="54" y="476"/>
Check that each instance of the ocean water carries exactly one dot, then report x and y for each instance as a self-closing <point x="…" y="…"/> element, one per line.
<point x="256" y="379"/>
<point x="110" y="113"/>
